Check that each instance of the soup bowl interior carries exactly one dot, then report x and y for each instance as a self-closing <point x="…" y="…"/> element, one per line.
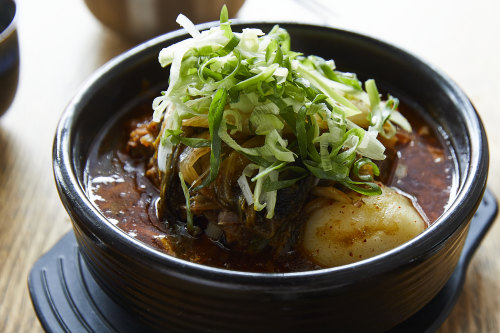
<point x="375" y="293"/>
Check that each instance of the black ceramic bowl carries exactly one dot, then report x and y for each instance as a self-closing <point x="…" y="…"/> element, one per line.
<point x="9" y="54"/>
<point x="174" y="295"/>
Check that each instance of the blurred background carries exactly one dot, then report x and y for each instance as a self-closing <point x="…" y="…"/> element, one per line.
<point x="62" y="42"/>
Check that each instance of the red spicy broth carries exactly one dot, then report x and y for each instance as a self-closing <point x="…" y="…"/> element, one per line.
<point x="424" y="168"/>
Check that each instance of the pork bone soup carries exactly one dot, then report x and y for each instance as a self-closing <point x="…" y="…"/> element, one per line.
<point x="258" y="158"/>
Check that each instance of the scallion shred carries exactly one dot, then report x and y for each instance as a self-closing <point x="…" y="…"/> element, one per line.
<point x="189" y="215"/>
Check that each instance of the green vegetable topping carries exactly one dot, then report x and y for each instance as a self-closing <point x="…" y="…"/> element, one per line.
<point x="189" y="215"/>
<point x="309" y="118"/>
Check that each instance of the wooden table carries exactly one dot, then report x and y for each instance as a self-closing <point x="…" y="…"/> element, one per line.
<point x="62" y="44"/>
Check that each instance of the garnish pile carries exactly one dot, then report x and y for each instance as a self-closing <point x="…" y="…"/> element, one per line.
<point x="291" y="116"/>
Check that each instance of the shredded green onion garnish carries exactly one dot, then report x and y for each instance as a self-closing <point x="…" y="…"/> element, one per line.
<point x="215" y="115"/>
<point x="305" y="110"/>
<point x="189" y="214"/>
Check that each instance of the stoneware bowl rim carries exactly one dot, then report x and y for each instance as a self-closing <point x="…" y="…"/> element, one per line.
<point x="456" y="216"/>
<point x="11" y="27"/>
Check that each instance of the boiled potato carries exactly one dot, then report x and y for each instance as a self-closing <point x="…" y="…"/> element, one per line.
<point x="341" y="233"/>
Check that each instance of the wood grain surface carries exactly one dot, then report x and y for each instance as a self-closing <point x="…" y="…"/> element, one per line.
<point x="61" y="44"/>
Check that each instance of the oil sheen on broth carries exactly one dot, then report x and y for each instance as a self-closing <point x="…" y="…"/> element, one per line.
<point x="423" y="168"/>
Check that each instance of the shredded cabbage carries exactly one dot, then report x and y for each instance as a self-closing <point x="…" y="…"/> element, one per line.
<point x="252" y="84"/>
